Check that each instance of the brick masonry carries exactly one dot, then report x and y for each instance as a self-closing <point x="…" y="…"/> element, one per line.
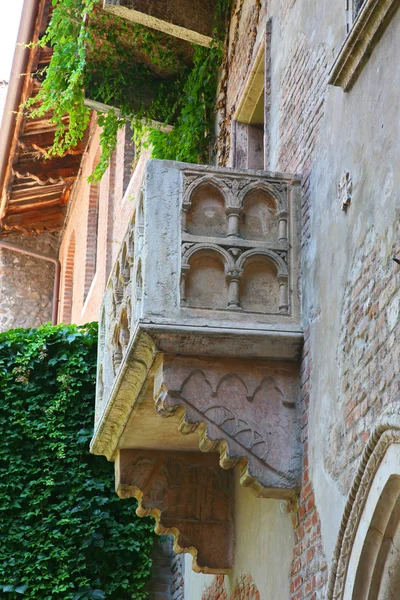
<point x="68" y="281"/>
<point x="92" y="230"/>
<point x="178" y="575"/>
<point x="309" y="573"/>
<point x="26" y="282"/>
<point x="162" y="574"/>
<point x="286" y="7"/>
<point x="303" y="87"/>
<point x="368" y="354"/>
<point x="245" y="589"/>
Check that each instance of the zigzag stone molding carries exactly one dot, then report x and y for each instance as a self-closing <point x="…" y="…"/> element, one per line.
<point x="189" y="496"/>
<point x="387" y="432"/>
<point x="243" y="409"/>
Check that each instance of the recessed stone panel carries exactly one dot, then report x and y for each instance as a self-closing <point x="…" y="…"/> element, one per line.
<point x="207" y="214"/>
<point x="259" y="218"/>
<point x="259" y="286"/>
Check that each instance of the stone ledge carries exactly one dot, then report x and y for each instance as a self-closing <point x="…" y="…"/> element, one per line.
<point x="365" y="33"/>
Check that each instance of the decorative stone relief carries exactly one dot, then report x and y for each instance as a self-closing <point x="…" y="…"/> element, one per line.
<point x="345" y="190"/>
<point x="189" y="496"/>
<point x="245" y="410"/>
<point x="252" y="218"/>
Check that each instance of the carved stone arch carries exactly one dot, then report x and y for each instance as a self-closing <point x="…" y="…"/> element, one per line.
<point x="204" y="270"/>
<point x="261" y="216"/>
<point x="365" y="565"/>
<point x="279" y="196"/>
<point x="125" y="266"/>
<point x="233" y="379"/>
<point x="197" y="184"/>
<point x="204" y="208"/>
<point x="226" y="257"/>
<point x="264" y="282"/>
<point x="117" y="354"/>
<point x="124" y="329"/>
<point x="281" y="266"/>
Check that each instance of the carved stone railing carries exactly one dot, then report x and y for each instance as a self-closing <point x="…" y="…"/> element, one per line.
<point x="198" y="345"/>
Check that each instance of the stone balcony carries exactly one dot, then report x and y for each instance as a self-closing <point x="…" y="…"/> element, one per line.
<point x="199" y="342"/>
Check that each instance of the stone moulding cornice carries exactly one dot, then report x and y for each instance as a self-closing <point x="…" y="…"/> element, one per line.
<point x="370" y="23"/>
<point x="387" y="432"/>
<point x="127" y="386"/>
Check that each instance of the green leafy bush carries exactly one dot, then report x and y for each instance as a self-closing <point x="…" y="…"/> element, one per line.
<point x="64" y="533"/>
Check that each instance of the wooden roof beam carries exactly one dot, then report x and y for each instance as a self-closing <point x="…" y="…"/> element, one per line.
<point x="191" y="21"/>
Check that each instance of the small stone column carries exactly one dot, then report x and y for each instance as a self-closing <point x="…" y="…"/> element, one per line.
<point x="185" y="211"/>
<point x="184" y="272"/>
<point x="283" y="217"/>
<point x="283" y="294"/>
<point x="233" y="221"/>
<point x="233" y="277"/>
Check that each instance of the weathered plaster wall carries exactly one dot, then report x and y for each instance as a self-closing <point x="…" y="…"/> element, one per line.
<point x="264" y="542"/>
<point x="350" y="283"/>
<point x="26" y="282"/>
<point x="351" y="291"/>
<point x="349" y="279"/>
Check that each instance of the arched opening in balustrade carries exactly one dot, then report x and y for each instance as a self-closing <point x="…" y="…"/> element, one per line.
<point x="207" y="215"/>
<point x="259" y="218"/>
<point x="206" y="284"/>
<point x="259" y="288"/>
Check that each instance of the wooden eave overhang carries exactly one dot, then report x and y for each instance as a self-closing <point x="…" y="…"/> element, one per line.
<point x="35" y="188"/>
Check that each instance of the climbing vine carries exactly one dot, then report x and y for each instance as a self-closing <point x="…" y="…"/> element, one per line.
<point x="64" y="533"/>
<point x="123" y="65"/>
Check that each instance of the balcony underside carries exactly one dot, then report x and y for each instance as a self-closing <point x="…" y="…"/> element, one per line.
<point x="200" y="339"/>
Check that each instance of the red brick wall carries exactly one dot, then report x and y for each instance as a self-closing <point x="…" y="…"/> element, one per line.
<point x="92" y="231"/>
<point x="309" y="572"/>
<point x="245" y="589"/>
<point x="303" y="87"/>
<point x="245" y="28"/>
<point x="68" y="273"/>
<point x="369" y="353"/>
<point x="286" y="6"/>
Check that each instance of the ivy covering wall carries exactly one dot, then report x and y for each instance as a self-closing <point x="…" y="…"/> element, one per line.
<point x="97" y="54"/>
<point x="64" y="533"/>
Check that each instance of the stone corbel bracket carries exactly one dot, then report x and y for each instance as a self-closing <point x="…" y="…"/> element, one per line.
<point x="189" y="496"/>
<point x="112" y="412"/>
<point x="244" y="410"/>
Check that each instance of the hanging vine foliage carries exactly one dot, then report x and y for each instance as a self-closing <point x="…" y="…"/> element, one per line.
<point x="64" y="533"/>
<point x="145" y="74"/>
